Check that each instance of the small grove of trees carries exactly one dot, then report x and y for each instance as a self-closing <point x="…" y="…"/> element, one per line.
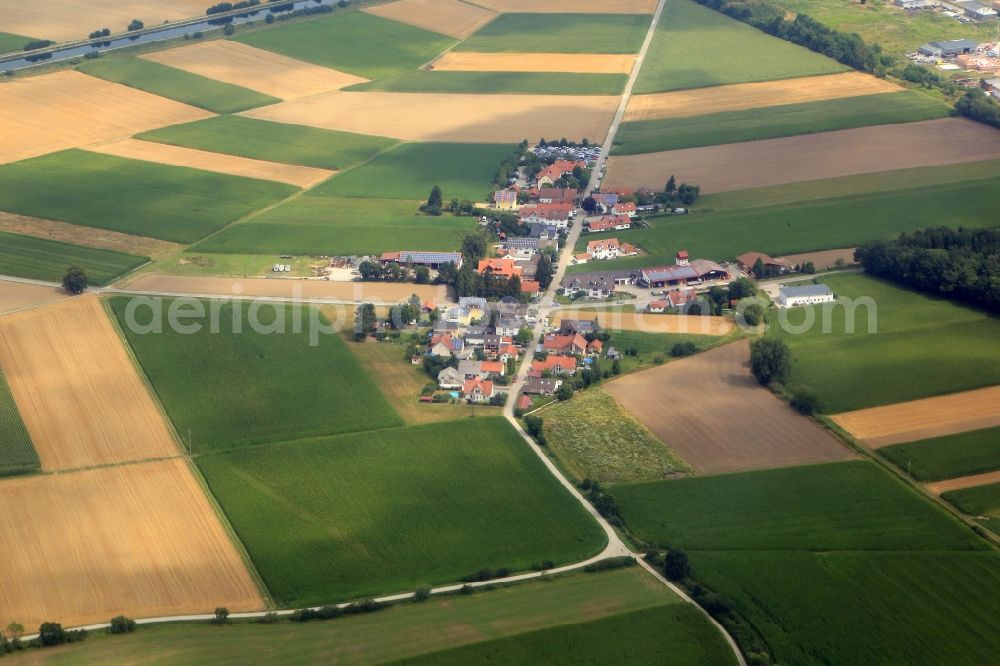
<point x="675" y="565"/>
<point x="603" y="502"/>
<point x="121" y="625"/>
<point x="435" y="202"/>
<point x="36" y="44"/>
<point x="75" y="280"/>
<point x="136" y="24"/>
<point x="978" y="106"/>
<point x="535" y="427"/>
<point x="221" y="615"/>
<point x="672" y="196"/>
<point x="770" y="360"/>
<point x="364" y="321"/>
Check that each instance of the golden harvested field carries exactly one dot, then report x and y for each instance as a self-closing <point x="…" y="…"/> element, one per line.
<point x="650" y="323"/>
<point x="792" y="159"/>
<point x="87" y="236"/>
<point x="67" y="109"/>
<point x="444" y="117"/>
<point x="571" y="6"/>
<point x="77" y="389"/>
<point x="199" y="159"/>
<point x="972" y="481"/>
<point x="715" y="416"/>
<point x="139" y="539"/>
<point x="598" y="63"/>
<point x="925" y="418"/>
<point x="823" y="259"/>
<point x="257" y="69"/>
<point x="741" y="96"/>
<point x="375" y="292"/>
<point x="68" y="20"/>
<point x="17" y="295"/>
<point x="448" y="17"/>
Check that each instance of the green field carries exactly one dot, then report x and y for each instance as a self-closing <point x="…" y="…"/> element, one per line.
<point x="438" y="624"/>
<point x="560" y="33"/>
<point x="594" y="438"/>
<point x="695" y="47"/>
<point x="387" y="510"/>
<point x="831" y="564"/>
<point x="238" y="387"/>
<point x="528" y="83"/>
<point x="275" y="142"/>
<point x="43" y="259"/>
<point x="654" y="348"/>
<point x="409" y="171"/>
<point x="331" y="226"/>
<point x="839" y="221"/>
<point x="650" y="136"/>
<point x="357" y="43"/>
<point x="922" y="347"/>
<point x="979" y="501"/>
<point x="12" y="43"/>
<point x="132" y="196"/>
<point x="948" y="457"/>
<point x="17" y="454"/>
<point x="176" y="84"/>
<point x="677" y="634"/>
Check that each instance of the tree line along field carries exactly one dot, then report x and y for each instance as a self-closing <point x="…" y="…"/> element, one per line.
<point x="528" y="83"/>
<point x="275" y="142"/>
<point x="387" y="510"/>
<point x="17" y="455"/>
<point x="695" y="47"/>
<point x="846" y="220"/>
<point x="357" y="43"/>
<point x="922" y="346"/>
<point x="43" y="259"/>
<point x="820" y="560"/>
<point x="981" y="502"/>
<point x="176" y="84"/>
<point x="649" y="136"/>
<point x="131" y="196"/>
<point x="238" y="387"/>
<point x="947" y="457"/>
<point x="560" y="33"/>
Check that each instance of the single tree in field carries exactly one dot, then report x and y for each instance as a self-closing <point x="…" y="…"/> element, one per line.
<point x="675" y="566"/>
<point x="221" y="615"/>
<point x="434" y="202"/>
<point x="75" y="280"/>
<point x="770" y="360"/>
<point x="364" y="322"/>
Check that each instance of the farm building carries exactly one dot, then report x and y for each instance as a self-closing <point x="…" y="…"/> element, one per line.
<point x="790" y="297"/>
<point x="684" y="272"/>
<point x="748" y="260"/>
<point x="947" y="49"/>
<point x="978" y="12"/>
<point x="599" y="285"/>
<point x="432" y="260"/>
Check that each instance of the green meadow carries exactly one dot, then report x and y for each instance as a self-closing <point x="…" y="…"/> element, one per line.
<point x="387" y="510"/>
<point x="981" y="502"/>
<point x="920" y="346"/>
<point x="696" y="47"/>
<point x="274" y="142"/>
<point x="560" y="33"/>
<point x="650" y="136"/>
<point x="10" y="43"/>
<point x="43" y="259"/>
<point x="358" y="43"/>
<point x="947" y="457"/>
<point x="176" y="84"/>
<point x="528" y="83"/>
<point x="256" y="378"/>
<point x="17" y="454"/>
<point x="335" y="227"/>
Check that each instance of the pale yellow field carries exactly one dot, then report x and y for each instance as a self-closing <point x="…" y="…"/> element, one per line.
<point x="69" y="20"/>
<point x="199" y="159"/>
<point x="752" y="95"/>
<point x="76" y="234"/>
<point x="448" y="17"/>
<point x="925" y="418"/>
<point x="77" y="389"/>
<point x="140" y="539"/>
<point x="986" y="478"/>
<point x="43" y="114"/>
<point x="257" y="69"/>
<point x="598" y="63"/>
<point x="647" y="322"/>
<point x="17" y="295"/>
<point x="571" y="6"/>
<point x="444" y="117"/>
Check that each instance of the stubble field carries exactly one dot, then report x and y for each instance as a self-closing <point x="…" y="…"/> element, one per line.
<point x="449" y="17"/>
<point x="16" y="295"/>
<point x="75" y="234"/>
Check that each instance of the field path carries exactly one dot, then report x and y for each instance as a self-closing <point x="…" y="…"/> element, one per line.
<point x="971" y="481"/>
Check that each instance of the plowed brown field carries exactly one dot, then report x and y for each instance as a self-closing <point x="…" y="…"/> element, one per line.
<point x="444" y="117"/>
<point x="925" y="418"/>
<point x="140" y="539"/>
<point x="792" y="159"/>
<point x="752" y="95"/>
<point x="713" y="414"/>
<point x="87" y="236"/>
<point x="650" y="323"/>
<point x="972" y="481"/>
<point x="199" y="159"/>
<point x="43" y="114"/>
<point x="598" y="63"/>
<point x="823" y="259"/>
<point x="65" y="20"/>
<point x="571" y="6"/>
<point x="16" y="295"/>
<point x="77" y="389"/>
<point x="257" y="69"/>
<point x="448" y="17"/>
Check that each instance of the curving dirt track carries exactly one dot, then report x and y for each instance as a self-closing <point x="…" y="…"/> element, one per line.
<point x="596" y="63"/>
<point x="924" y="418"/>
<point x="448" y="17"/>
<point x="714" y="415"/>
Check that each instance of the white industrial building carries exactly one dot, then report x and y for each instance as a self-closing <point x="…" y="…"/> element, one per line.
<point x="790" y="297"/>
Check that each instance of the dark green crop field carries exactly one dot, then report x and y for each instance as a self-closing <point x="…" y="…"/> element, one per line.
<point x="981" y="502"/>
<point x="387" y="510"/>
<point x="946" y="457"/>
<point x="560" y="33"/>
<point x="256" y="379"/>
<point x="17" y="454"/>
<point x="43" y="259"/>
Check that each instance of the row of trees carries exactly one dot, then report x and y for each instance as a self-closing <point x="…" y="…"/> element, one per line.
<point x="672" y="196"/>
<point x="963" y="264"/>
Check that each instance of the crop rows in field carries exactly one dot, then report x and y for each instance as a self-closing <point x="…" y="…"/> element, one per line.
<point x="16" y="452"/>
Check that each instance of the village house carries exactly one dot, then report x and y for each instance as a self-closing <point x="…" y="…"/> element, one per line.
<point x="675" y="299"/>
<point x="541" y="386"/>
<point x="553" y="172"/>
<point x="606" y="248"/>
<point x="581" y="326"/>
<point x="615" y="223"/>
<point x="624" y="208"/>
<point x="450" y="379"/>
<point x="557" y="195"/>
<point x="520" y="246"/>
<point x="554" y="214"/>
<point x="445" y="345"/>
<point x="594" y="347"/>
<point x="658" y="306"/>
<point x="605" y="201"/>
<point x="544" y="232"/>
<point x="481" y="369"/>
<point x="599" y="285"/>
<point x="505" y="199"/>
<point x="478" y="390"/>
<point x="557" y="365"/>
<point x="574" y="344"/>
<point x="504" y="267"/>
